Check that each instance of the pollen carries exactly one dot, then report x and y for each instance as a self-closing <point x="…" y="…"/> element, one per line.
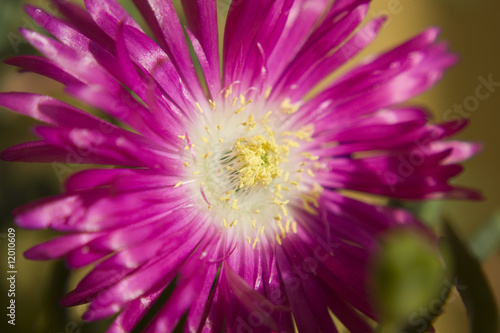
<point x="250" y="123"/>
<point x="268" y="92"/>
<point x="310" y="156"/>
<point x="235" y="204"/>
<point x="278" y="239"/>
<point x="266" y="117"/>
<point x="212" y="104"/>
<point x="288" y="108"/>
<point x="199" y="107"/>
<point x="229" y="91"/>
<point x="260" y="159"/>
<point x="240" y="110"/>
<point x="255" y="242"/>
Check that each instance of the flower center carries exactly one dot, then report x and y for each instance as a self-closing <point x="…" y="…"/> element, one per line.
<point x="258" y="160"/>
<point x="246" y="165"/>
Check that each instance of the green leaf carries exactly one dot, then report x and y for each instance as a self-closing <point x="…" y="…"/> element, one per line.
<point x="407" y="275"/>
<point x="429" y="212"/>
<point x="486" y="240"/>
<point x="471" y="284"/>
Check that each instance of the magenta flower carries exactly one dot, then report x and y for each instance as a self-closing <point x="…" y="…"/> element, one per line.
<point x="236" y="186"/>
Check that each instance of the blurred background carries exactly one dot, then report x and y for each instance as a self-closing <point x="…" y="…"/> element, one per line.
<point x="472" y="28"/>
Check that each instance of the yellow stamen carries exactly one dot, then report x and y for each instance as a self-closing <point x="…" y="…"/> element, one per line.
<point x="283" y="233"/>
<point x="288" y="108"/>
<point x="235" y="204"/>
<point x="268" y="92"/>
<point x="310" y="156"/>
<point x="250" y="123"/>
<point x="278" y="239"/>
<point x="310" y="199"/>
<point x="280" y="203"/>
<point x="284" y="210"/>
<point x="292" y="143"/>
<point x="305" y="133"/>
<point x="229" y="91"/>
<point x="255" y="242"/>
<point x="212" y="104"/>
<point x="178" y="184"/>
<point x="264" y="120"/>
<point x="308" y="208"/>
<point x="260" y="158"/>
<point x="199" y="107"/>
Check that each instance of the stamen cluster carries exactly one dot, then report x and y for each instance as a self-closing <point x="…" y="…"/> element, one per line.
<point x="244" y="169"/>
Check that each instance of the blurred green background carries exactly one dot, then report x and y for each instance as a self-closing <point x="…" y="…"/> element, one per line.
<point x="472" y="29"/>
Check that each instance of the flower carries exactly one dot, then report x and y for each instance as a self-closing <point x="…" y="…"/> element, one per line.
<point x="234" y="183"/>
